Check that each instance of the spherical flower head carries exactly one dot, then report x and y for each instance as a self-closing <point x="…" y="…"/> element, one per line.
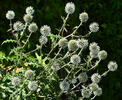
<point x="94" y="47"/>
<point x="10" y="15"/>
<point x="29" y="10"/>
<point x="72" y="45"/>
<point x="32" y="85"/>
<point x="32" y="27"/>
<point x="55" y="66"/>
<point x="112" y="66"/>
<point x="86" y="93"/>
<point x="70" y="8"/>
<point x="83" y="17"/>
<point x="93" y="54"/>
<point x="102" y="55"/>
<point x="15" y="81"/>
<point x="75" y="59"/>
<point x="82" y="43"/>
<point x="28" y="18"/>
<point x="64" y="85"/>
<point x="29" y="74"/>
<point x="45" y="30"/>
<point x="18" y="26"/>
<point x="63" y="43"/>
<point x="98" y="92"/>
<point x="93" y="86"/>
<point x="96" y="78"/>
<point x="43" y="40"/>
<point x="83" y="77"/>
<point x="74" y="80"/>
<point x="94" y="27"/>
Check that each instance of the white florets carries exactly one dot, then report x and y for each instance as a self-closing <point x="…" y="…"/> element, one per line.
<point x="94" y="27"/>
<point x="86" y="93"/>
<point x="98" y="92"/>
<point x="15" y="81"/>
<point x="29" y="10"/>
<point x="82" y="43"/>
<point x="28" y="18"/>
<point x="93" y="86"/>
<point x="83" y="17"/>
<point x="18" y="26"/>
<point x="72" y="45"/>
<point x="94" y="50"/>
<point x="70" y="8"/>
<point x="45" y="30"/>
<point x="32" y="85"/>
<point x="102" y="55"/>
<point x="96" y="78"/>
<point x="29" y="74"/>
<point x="112" y="66"/>
<point x="63" y="43"/>
<point x="83" y="77"/>
<point x="43" y="40"/>
<point x="64" y="85"/>
<point x="10" y="15"/>
<point x="32" y="27"/>
<point x="75" y="59"/>
<point x="55" y="66"/>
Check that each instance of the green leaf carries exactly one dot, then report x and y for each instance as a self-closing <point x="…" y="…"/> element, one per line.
<point x="9" y="41"/>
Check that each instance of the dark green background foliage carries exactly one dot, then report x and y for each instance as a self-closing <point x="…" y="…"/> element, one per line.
<point x="105" y="12"/>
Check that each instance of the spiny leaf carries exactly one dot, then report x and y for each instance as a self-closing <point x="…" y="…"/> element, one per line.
<point x="9" y="41"/>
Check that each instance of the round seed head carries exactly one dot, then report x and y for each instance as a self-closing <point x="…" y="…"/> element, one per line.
<point x="94" y="27"/>
<point x="29" y="74"/>
<point x="32" y="27"/>
<point x="18" y="26"/>
<point x="94" y="47"/>
<point x="82" y="43"/>
<point x="64" y="85"/>
<point x="70" y="8"/>
<point x="15" y="81"/>
<point x="102" y="55"/>
<point x="98" y="92"/>
<point x="112" y="66"/>
<point x="93" y="86"/>
<point x="55" y="66"/>
<point x="72" y="45"/>
<point x="29" y="10"/>
<point x="83" y="77"/>
<point x="32" y="85"/>
<point x="10" y="15"/>
<point x="43" y="40"/>
<point x="83" y="17"/>
<point x="28" y="18"/>
<point x="86" y="93"/>
<point x="96" y="78"/>
<point x="75" y="59"/>
<point x="45" y="30"/>
<point x="63" y="43"/>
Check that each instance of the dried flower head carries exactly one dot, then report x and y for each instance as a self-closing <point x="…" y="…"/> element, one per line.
<point x="96" y="78"/>
<point x="64" y="85"/>
<point x="75" y="59"/>
<point x="63" y="43"/>
<point x="10" y="15"/>
<point x="29" y="74"/>
<point x="86" y="93"/>
<point x="28" y="18"/>
<point x="32" y="27"/>
<point x="102" y="55"/>
<point x="83" y="77"/>
<point x="112" y="66"/>
<point x="43" y="40"/>
<point x="15" y="81"/>
<point x="82" y="43"/>
<point x="45" y="30"/>
<point x="93" y="86"/>
<point x="98" y="92"/>
<point x="70" y="8"/>
<point x="18" y="26"/>
<point x="83" y="17"/>
<point x="55" y="66"/>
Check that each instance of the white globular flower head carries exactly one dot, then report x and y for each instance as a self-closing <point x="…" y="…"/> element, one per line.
<point x="32" y="27"/>
<point x="29" y="74"/>
<point x="72" y="45"/>
<point x="98" y="92"/>
<point x="102" y="55"/>
<point x="28" y="18"/>
<point x="10" y="15"/>
<point x="15" y="81"/>
<point x="18" y="26"/>
<point x="86" y="93"/>
<point x="83" y="17"/>
<point x="94" y="27"/>
<point x="96" y="78"/>
<point x="45" y="30"/>
<point x="93" y="86"/>
<point x="43" y="40"/>
<point x="32" y="85"/>
<point x="112" y="66"/>
<point x="70" y="8"/>
<point x="75" y="59"/>
<point x="63" y="43"/>
<point x="82" y="43"/>
<point x="29" y="10"/>
<point x="55" y="66"/>
<point x="64" y="85"/>
<point x="83" y="77"/>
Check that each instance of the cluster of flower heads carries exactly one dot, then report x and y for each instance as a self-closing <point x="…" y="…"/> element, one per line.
<point x="72" y="45"/>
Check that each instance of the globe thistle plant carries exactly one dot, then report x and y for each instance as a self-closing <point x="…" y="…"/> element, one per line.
<point x="15" y="81"/>
<point x="83" y="77"/>
<point x="28" y="18"/>
<point x="10" y="15"/>
<point x="86" y="93"/>
<point x="83" y="17"/>
<point x="18" y="26"/>
<point x="30" y="10"/>
<point x="63" y="43"/>
<point x="45" y="30"/>
<point x="75" y="59"/>
<point x="94" y="27"/>
<point x="112" y="66"/>
<point x="32" y="27"/>
<point x="32" y="85"/>
<point x="70" y="8"/>
<point x="72" y="45"/>
<point x="64" y="85"/>
<point x="43" y="40"/>
<point x="96" y="78"/>
<point x="29" y="74"/>
<point x="102" y="55"/>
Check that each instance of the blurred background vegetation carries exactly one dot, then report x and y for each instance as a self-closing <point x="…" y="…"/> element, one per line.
<point x="106" y="12"/>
